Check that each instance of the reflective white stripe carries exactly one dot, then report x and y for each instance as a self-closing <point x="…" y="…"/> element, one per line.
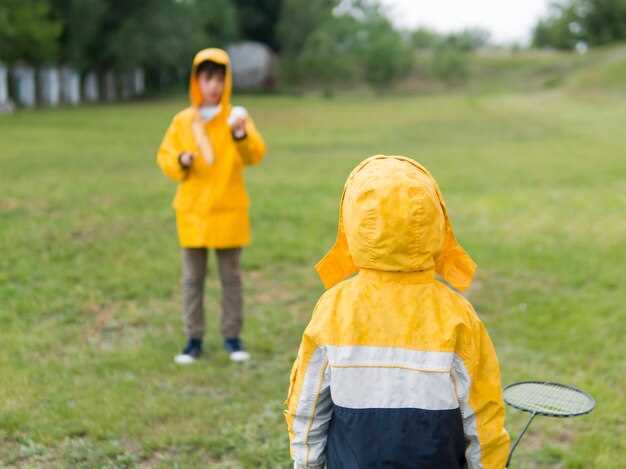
<point x="313" y="412"/>
<point x="391" y="378"/>
<point x="296" y="465"/>
<point x="392" y="388"/>
<point x="463" y="383"/>
<point x="363" y="355"/>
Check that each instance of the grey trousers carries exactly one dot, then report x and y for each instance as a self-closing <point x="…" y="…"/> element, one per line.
<point x="194" y="273"/>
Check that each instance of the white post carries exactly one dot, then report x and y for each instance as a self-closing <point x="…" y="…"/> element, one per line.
<point x="49" y="86"/>
<point x="126" y="82"/>
<point x="139" y="82"/>
<point x="70" y="85"/>
<point x="24" y="85"/>
<point x="91" y="91"/>
<point x="4" y="85"/>
<point x="110" y="91"/>
<point x="5" y="103"/>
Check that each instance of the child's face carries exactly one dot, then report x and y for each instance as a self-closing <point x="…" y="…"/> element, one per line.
<point x="211" y="87"/>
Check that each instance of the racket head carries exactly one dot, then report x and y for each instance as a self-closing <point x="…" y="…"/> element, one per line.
<point x="548" y="399"/>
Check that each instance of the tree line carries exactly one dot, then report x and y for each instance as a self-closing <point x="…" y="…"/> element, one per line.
<point x="571" y="23"/>
<point x="318" y="41"/>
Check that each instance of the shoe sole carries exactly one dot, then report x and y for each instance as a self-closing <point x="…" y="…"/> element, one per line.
<point x="240" y="356"/>
<point x="184" y="359"/>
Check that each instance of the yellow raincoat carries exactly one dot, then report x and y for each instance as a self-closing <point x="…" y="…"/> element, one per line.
<point x="395" y="368"/>
<point x="211" y="202"/>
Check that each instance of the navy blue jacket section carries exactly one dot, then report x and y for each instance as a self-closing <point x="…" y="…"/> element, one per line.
<point x="395" y="439"/>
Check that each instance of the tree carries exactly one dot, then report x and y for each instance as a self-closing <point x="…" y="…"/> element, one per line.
<point x="595" y="22"/>
<point x="298" y="20"/>
<point x="468" y="39"/>
<point x="357" y="40"/>
<point x="450" y="64"/>
<point x="385" y="54"/>
<point x="603" y="21"/>
<point x="557" y="30"/>
<point x="329" y="53"/>
<point x="80" y="28"/>
<point x="27" y="32"/>
<point x="161" y="33"/>
<point x="425" y="38"/>
<point x="257" y="20"/>
<point x="218" y="19"/>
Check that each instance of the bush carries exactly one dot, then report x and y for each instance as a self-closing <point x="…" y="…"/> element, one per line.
<point x="358" y="44"/>
<point x="450" y="64"/>
<point x="328" y="56"/>
<point x="299" y="21"/>
<point x="386" y="56"/>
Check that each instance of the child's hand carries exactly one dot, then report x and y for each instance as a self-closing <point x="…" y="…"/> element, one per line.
<point x="237" y="119"/>
<point x="239" y="127"/>
<point x="185" y="160"/>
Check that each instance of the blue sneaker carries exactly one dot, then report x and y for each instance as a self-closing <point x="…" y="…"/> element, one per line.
<point x="235" y="350"/>
<point x="190" y="353"/>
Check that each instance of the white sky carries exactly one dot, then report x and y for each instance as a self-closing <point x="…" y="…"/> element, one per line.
<point x="508" y="20"/>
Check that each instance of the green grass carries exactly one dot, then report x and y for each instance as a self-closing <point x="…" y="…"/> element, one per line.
<point x="599" y="70"/>
<point x="89" y="300"/>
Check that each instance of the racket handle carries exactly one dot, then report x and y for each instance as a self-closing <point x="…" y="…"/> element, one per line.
<point x="508" y="461"/>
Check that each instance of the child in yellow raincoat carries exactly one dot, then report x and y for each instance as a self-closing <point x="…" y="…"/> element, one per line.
<point x="395" y="368"/>
<point x="205" y="149"/>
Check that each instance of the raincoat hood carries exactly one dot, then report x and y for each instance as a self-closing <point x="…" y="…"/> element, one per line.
<point x="218" y="56"/>
<point x="393" y="218"/>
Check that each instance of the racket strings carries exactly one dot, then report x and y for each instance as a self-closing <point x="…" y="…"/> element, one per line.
<point x="548" y="398"/>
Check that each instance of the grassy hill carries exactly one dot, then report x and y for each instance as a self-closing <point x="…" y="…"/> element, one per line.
<point x="599" y="70"/>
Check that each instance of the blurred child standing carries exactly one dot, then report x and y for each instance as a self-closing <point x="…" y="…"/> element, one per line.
<point x="205" y="150"/>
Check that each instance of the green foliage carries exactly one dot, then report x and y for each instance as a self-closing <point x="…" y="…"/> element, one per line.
<point x="257" y="20"/>
<point x="298" y="20"/>
<point x="218" y="19"/>
<point x="320" y="41"/>
<point x="425" y="38"/>
<point x="468" y="39"/>
<point x="447" y="56"/>
<point x="603" y="21"/>
<point x="80" y="20"/>
<point x="556" y="29"/>
<point x="450" y="64"/>
<point x="163" y="34"/>
<point x="27" y="32"/>
<point x="328" y="56"/>
<point x="157" y="34"/>
<point x="386" y="56"/>
<point x="357" y="43"/>
<point x="166" y="38"/>
<point x="595" y="22"/>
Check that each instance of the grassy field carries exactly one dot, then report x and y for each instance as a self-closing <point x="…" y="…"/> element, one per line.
<point x="89" y="267"/>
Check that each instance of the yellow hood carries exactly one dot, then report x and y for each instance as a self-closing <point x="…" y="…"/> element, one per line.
<point x="392" y="218"/>
<point x="218" y="56"/>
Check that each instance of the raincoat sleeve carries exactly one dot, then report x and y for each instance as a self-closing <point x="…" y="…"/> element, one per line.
<point x="477" y="378"/>
<point x="170" y="149"/>
<point x="309" y="406"/>
<point x="252" y="147"/>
